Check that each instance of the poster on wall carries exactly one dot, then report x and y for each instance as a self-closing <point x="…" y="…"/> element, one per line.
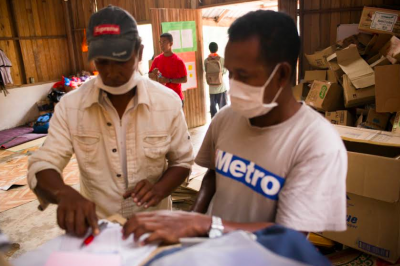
<point x="184" y="34"/>
<point x="190" y="62"/>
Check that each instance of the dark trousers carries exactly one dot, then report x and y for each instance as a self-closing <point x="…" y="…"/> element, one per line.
<point x="219" y="99"/>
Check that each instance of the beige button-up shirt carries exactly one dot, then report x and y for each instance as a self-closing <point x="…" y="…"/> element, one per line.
<point x="156" y="138"/>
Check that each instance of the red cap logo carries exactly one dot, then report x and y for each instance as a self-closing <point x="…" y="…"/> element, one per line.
<point x="106" y="29"/>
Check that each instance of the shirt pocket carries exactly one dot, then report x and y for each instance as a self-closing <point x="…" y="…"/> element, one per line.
<point x="156" y="147"/>
<point x="87" y="151"/>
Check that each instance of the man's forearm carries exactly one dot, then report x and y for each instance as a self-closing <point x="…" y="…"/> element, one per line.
<point x="206" y="192"/>
<point x="152" y="76"/>
<point x="180" y="80"/>
<point x="171" y="179"/>
<point x="50" y="185"/>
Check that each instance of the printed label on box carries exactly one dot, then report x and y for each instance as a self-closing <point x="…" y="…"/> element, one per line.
<point x="383" y="21"/>
<point x="373" y="249"/>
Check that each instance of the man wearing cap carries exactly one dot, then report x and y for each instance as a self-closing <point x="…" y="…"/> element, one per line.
<point x="128" y="134"/>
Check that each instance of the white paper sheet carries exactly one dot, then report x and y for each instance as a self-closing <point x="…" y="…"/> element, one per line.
<point x="108" y="242"/>
<point x="187" y="38"/>
<point x="176" y="34"/>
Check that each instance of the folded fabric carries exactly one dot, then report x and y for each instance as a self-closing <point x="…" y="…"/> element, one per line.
<point x="21" y="139"/>
<point x="10" y="134"/>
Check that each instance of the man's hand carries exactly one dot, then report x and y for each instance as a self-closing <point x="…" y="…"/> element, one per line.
<point x="145" y="193"/>
<point x="166" y="226"/>
<point x="76" y="214"/>
<point x="163" y="80"/>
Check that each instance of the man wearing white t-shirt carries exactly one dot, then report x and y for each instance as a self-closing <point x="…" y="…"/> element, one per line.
<point x="271" y="159"/>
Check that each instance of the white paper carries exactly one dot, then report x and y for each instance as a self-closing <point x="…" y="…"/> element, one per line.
<point x="191" y="76"/>
<point x="176" y="34"/>
<point x="109" y="241"/>
<point x="187" y="38"/>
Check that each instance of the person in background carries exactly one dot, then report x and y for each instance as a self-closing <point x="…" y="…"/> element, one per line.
<point x="128" y="134"/>
<point x="167" y="68"/>
<point x="270" y="159"/>
<point x="214" y="68"/>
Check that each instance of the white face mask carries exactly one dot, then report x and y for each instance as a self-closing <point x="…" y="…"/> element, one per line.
<point x="249" y="100"/>
<point x="132" y="82"/>
<point x="129" y="85"/>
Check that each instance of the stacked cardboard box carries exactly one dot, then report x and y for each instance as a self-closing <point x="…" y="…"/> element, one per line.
<point x="360" y="72"/>
<point x="363" y="101"/>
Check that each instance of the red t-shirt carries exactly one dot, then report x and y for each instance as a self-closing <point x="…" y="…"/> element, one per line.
<point x="171" y="67"/>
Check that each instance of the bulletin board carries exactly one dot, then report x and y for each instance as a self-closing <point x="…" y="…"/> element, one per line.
<point x="184" y="35"/>
<point x="189" y="58"/>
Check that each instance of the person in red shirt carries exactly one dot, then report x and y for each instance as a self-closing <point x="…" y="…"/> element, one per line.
<point x="168" y="68"/>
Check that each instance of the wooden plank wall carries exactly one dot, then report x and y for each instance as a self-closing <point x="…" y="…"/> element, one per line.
<point x="195" y="101"/>
<point x="38" y="28"/>
<point x="319" y="20"/>
<point x="140" y="9"/>
<point x="81" y="10"/>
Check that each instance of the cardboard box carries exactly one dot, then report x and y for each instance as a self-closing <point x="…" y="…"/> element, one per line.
<point x="356" y="68"/>
<point x="378" y="20"/>
<point x="373" y="193"/>
<point x="352" y="257"/>
<point x="318" y="59"/>
<point x="376" y="120"/>
<point x="325" y="96"/>
<point x="354" y="97"/>
<point x="376" y="44"/>
<point x="391" y="50"/>
<point x="387" y="88"/>
<point x="334" y="66"/>
<point x="327" y="75"/>
<point x="342" y="117"/>
<point x="396" y="124"/>
<point x="383" y="61"/>
<point x="300" y="91"/>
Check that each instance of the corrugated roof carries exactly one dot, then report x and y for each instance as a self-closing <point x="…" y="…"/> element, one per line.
<point x="238" y="10"/>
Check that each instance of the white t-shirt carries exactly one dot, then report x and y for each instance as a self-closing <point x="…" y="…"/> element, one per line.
<point x="293" y="173"/>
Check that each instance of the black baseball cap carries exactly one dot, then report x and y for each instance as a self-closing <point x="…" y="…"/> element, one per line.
<point x="112" y="34"/>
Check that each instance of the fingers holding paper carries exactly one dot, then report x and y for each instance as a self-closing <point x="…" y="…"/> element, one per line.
<point x="166" y="226"/>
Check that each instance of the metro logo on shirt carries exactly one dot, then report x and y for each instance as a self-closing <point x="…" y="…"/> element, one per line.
<point x="250" y="174"/>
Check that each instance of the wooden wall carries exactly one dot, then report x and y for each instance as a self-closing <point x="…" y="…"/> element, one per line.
<point x="319" y="20"/>
<point x="195" y="102"/>
<point x="34" y="38"/>
<point x="211" y="3"/>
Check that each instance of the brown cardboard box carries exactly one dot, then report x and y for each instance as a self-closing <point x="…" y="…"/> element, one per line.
<point x="342" y="117"/>
<point x="391" y="49"/>
<point x="354" y="97"/>
<point x="300" y="91"/>
<point x="396" y="124"/>
<point x="387" y="88"/>
<point x="352" y="257"/>
<point x="327" y="75"/>
<point x="373" y="193"/>
<point x="383" y="61"/>
<point x="377" y="42"/>
<point x="325" y="96"/>
<point x="356" y="68"/>
<point x="378" y="20"/>
<point x="334" y="66"/>
<point x="376" y="120"/>
<point x="318" y="59"/>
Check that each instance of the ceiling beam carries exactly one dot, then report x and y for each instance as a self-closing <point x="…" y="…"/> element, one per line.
<point x="223" y="23"/>
<point x="220" y="17"/>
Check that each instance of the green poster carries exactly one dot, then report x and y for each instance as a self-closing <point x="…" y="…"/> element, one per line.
<point x="184" y="34"/>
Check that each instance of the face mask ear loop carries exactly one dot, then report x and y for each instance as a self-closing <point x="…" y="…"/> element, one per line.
<point x="268" y="81"/>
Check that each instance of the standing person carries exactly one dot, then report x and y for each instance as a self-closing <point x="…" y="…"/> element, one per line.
<point x="128" y="133"/>
<point x="270" y="159"/>
<point x="214" y="68"/>
<point x="168" y="68"/>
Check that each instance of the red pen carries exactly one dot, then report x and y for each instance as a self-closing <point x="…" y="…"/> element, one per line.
<point x="90" y="238"/>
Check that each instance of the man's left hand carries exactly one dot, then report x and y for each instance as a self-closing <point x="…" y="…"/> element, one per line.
<point x="145" y="193"/>
<point x="166" y="226"/>
<point x="163" y="80"/>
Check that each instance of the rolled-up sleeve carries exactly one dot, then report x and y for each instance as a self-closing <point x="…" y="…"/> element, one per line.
<point x="57" y="149"/>
<point x="181" y="150"/>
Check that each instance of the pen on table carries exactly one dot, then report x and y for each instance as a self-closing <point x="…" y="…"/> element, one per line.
<point x="90" y="238"/>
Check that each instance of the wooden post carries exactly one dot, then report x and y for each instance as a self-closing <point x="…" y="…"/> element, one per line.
<point x="68" y="29"/>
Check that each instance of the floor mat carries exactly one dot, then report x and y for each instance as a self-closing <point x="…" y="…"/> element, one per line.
<point x="28" y="145"/>
<point x="21" y="139"/>
<point x="17" y="196"/>
<point x="9" y="134"/>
